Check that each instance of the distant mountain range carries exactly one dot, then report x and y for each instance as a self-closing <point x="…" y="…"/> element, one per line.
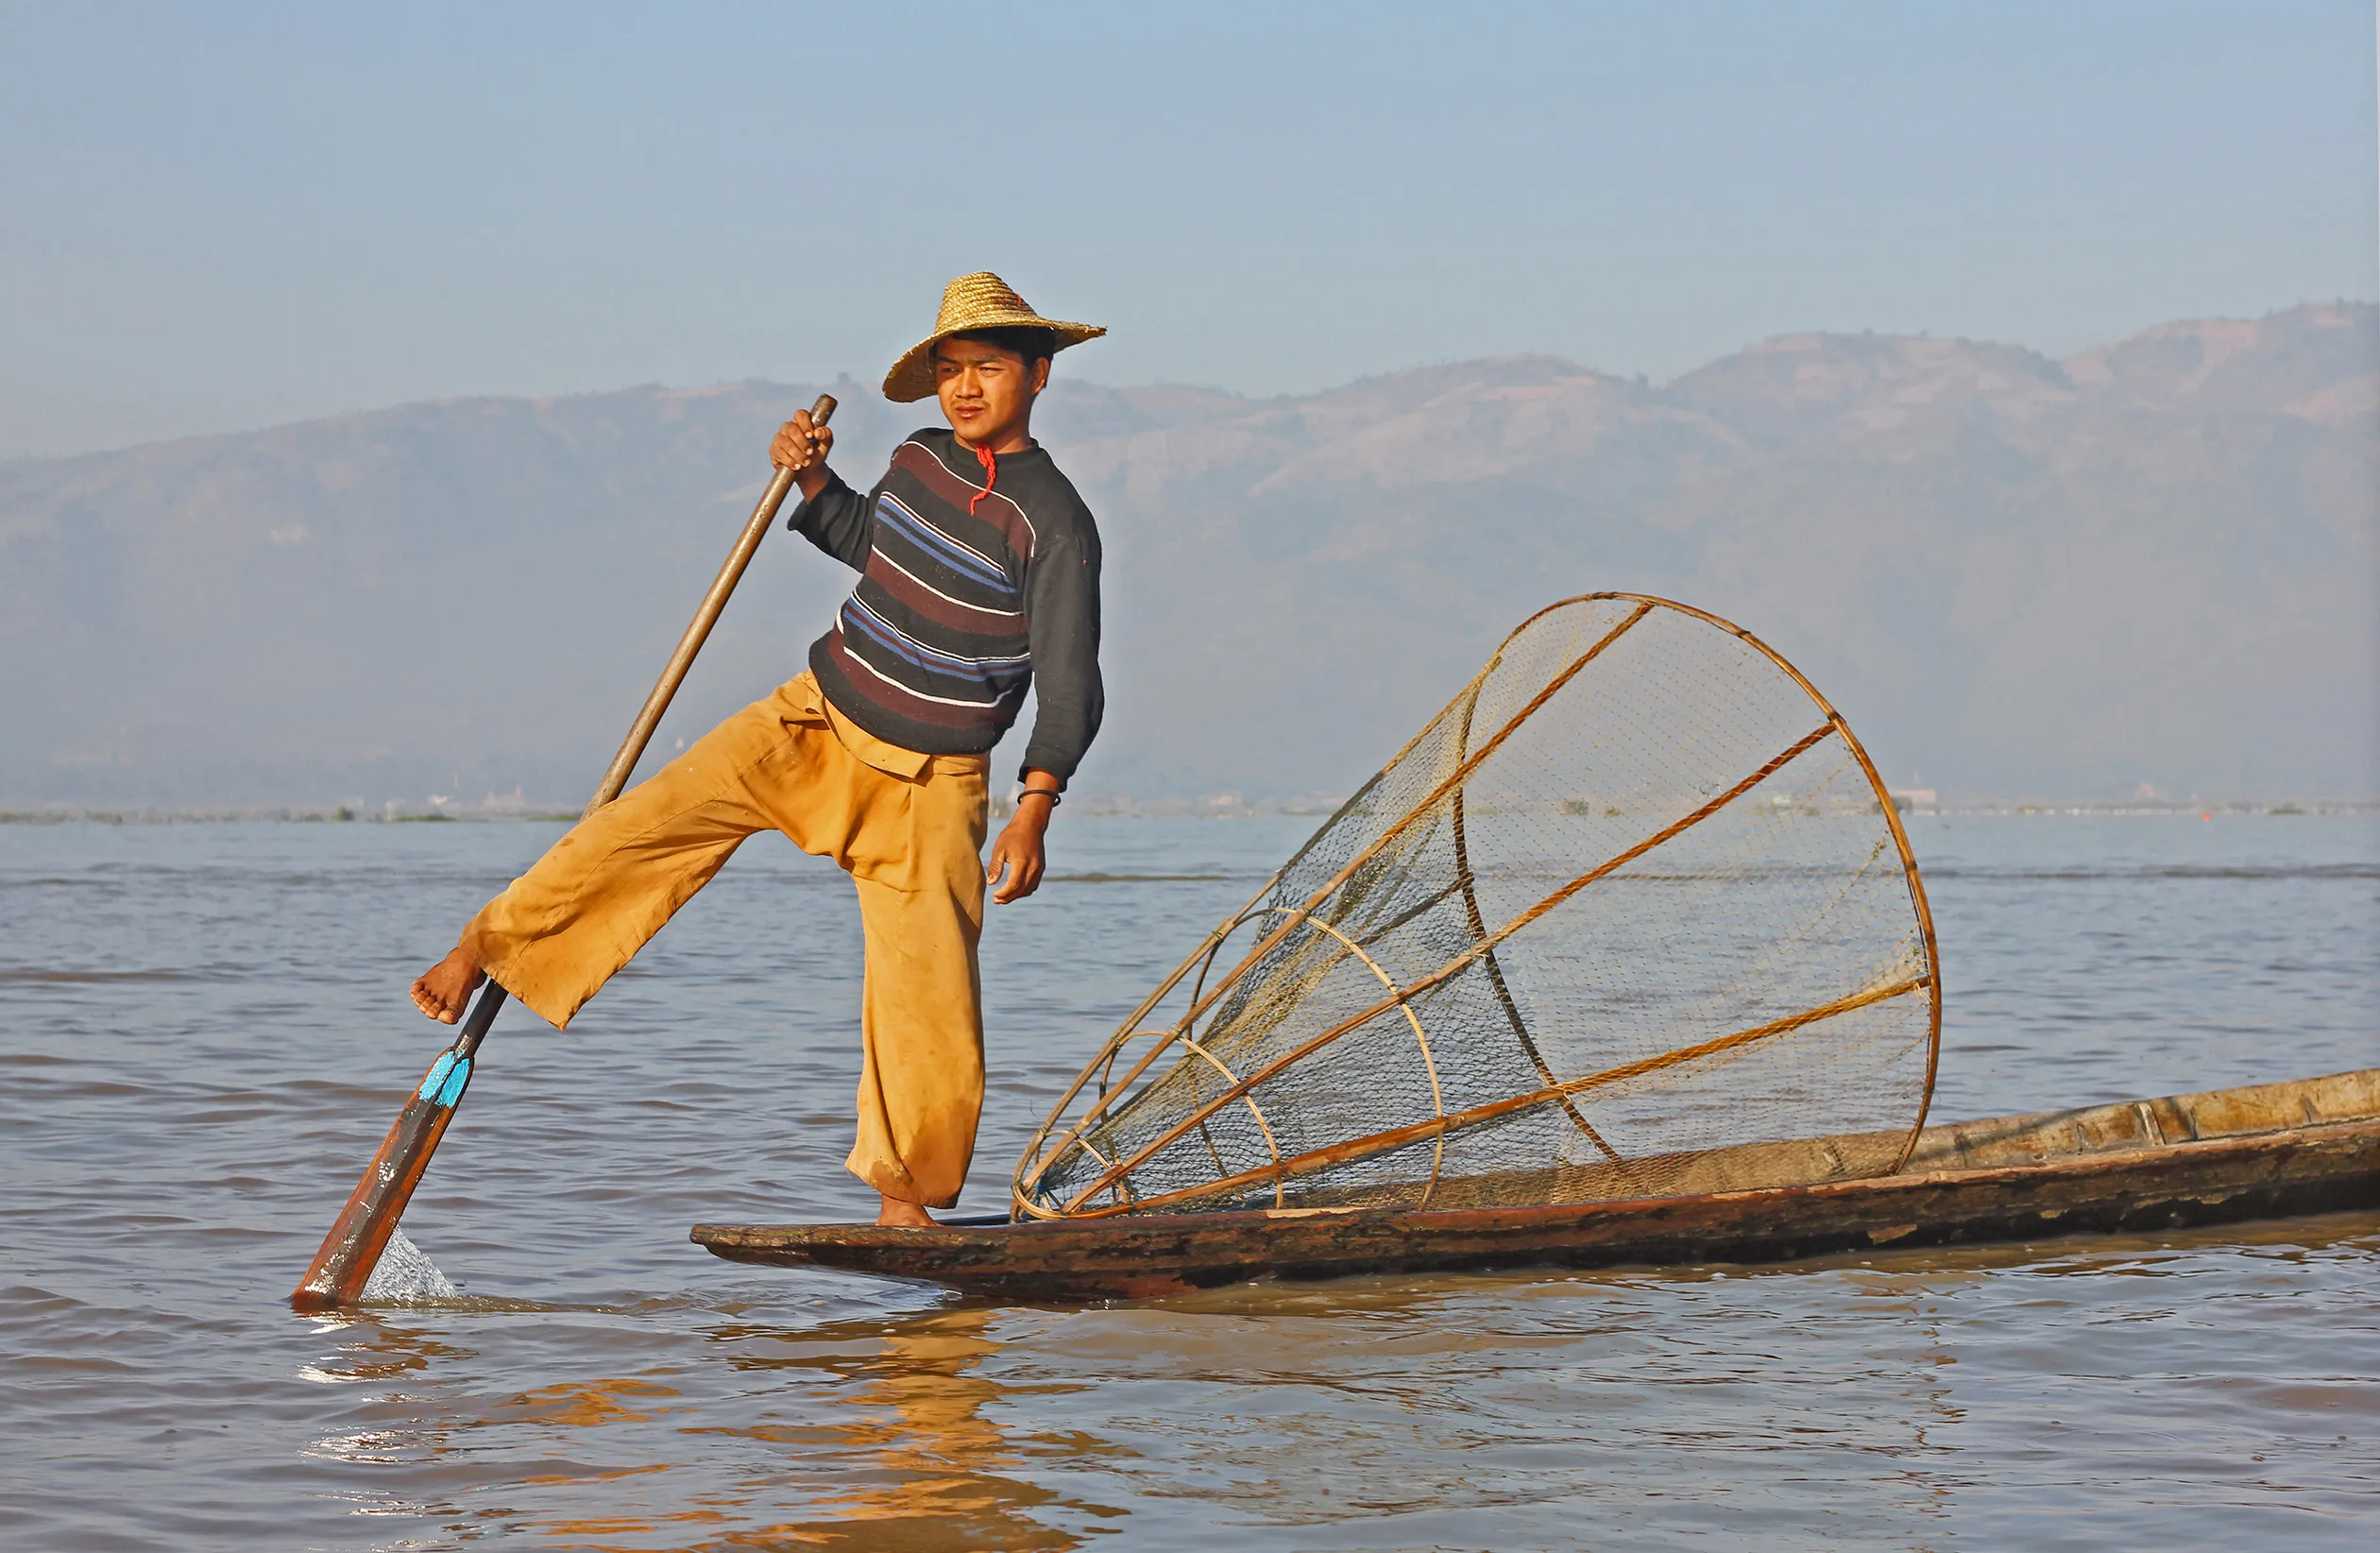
<point x="2154" y="563"/>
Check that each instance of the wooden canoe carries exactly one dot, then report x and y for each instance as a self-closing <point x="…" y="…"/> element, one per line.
<point x="2263" y="1151"/>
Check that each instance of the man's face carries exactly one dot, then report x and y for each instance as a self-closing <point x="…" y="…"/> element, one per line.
<point x="987" y="393"/>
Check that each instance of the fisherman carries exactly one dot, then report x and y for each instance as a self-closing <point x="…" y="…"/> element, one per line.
<point x="979" y="575"/>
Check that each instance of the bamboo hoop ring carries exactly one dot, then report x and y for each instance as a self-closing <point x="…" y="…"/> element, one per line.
<point x="1421" y="1038"/>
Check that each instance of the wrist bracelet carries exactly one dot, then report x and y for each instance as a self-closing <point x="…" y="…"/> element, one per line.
<point x="1049" y="792"/>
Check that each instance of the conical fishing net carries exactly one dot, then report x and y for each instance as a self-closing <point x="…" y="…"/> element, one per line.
<point x="1632" y="916"/>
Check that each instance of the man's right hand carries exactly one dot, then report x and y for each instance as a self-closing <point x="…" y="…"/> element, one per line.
<point x="803" y="447"/>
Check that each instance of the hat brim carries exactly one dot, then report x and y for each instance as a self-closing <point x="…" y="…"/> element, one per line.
<point x="912" y="376"/>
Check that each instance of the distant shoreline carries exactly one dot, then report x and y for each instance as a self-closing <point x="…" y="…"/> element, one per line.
<point x="1095" y="809"/>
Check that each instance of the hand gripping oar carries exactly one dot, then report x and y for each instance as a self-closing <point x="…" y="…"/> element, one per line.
<point x="353" y="1247"/>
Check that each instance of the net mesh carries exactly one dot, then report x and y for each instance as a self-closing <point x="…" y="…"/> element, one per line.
<point x="1631" y="916"/>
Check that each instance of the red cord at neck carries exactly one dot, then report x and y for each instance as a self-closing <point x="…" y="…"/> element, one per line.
<point x="991" y="473"/>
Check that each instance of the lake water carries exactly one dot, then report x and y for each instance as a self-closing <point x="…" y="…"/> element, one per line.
<point x="206" y="1034"/>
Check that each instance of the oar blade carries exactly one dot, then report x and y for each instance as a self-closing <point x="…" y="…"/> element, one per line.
<point x="353" y="1247"/>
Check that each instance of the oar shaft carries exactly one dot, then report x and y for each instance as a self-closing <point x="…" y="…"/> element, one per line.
<point x="491" y="998"/>
<point x="698" y="630"/>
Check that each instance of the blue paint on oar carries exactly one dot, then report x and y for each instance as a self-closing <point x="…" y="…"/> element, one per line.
<point x="455" y="1081"/>
<point x="436" y="1075"/>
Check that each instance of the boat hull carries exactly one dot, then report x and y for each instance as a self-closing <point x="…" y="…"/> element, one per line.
<point x="2325" y="1166"/>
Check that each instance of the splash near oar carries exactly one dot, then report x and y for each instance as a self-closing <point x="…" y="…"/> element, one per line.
<point x="343" y="1265"/>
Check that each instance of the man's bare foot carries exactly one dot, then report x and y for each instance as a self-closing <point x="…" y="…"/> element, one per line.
<point x="445" y="989"/>
<point x="896" y="1214"/>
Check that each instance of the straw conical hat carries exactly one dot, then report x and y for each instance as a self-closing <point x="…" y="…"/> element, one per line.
<point x="982" y="300"/>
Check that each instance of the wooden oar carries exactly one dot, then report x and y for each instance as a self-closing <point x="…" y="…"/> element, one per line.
<point x="353" y="1247"/>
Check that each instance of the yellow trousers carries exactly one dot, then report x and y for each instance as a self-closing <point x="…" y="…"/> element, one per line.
<point x="908" y="828"/>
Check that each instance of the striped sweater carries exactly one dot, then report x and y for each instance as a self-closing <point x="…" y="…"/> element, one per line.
<point x="956" y="613"/>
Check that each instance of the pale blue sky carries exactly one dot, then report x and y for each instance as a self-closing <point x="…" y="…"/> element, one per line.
<point x="221" y="216"/>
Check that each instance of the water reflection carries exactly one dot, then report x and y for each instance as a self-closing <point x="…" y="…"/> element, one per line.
<point x="862" y="1434"/>
<point x="1849" y="1399"/>
<point x="372" y="1349"/>
<point x="912" y="1457"/>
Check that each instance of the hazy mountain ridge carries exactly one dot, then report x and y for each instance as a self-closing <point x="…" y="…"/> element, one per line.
<point x="2154" y="561"/>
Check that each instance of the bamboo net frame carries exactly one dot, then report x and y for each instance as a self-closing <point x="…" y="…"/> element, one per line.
<point x="1635" y="899"/>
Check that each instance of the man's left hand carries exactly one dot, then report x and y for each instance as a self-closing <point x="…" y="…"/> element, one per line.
<point x="1015" y="869"/>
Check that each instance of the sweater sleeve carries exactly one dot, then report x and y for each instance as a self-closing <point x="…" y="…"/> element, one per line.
<point x="1061" y="622"/>
<point x="836" y="521"/>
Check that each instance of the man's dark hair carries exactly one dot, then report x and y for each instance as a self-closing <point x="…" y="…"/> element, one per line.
<point x="1030" y="343"/>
